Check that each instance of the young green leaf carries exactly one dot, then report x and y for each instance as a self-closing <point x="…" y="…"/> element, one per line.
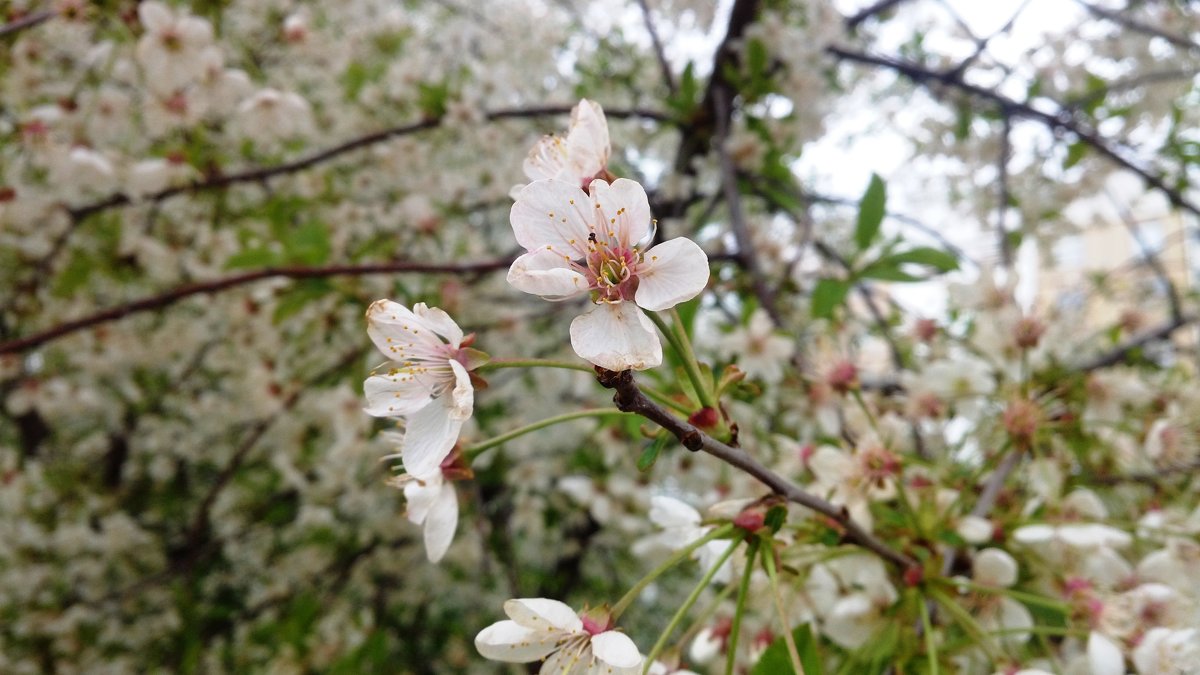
<point x="870" y="213"/>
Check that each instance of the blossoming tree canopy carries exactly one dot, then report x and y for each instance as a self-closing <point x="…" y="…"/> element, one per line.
<point x="871" y="343"/>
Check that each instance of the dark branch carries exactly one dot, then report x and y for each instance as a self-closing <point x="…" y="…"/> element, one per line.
<point x="629" y="398"/>
<point x="27" y="21"/>
<point x="879" y="7"/>
<point x="218" y="285"/>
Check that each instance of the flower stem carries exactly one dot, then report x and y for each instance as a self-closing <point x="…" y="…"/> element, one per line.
<point x="930" y="639"/>
<point x="475" y="450"/>
<point x="687" y="604"/>
<point x="674" y="560"/>
<point x="788" y="639"/>
<point x="496" y="364"/>
<point x="743" y="591"/>
<point x="678" y="339"/>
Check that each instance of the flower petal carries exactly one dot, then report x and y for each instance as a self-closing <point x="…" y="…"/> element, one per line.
<point x="421" y="494"/>
<point x="512" y="643"/>
<point x="440" y="523"/>
<point x="546" y="159"/>
<point x="439" y="322"/>
<point x="155" y="16"/>
<point x="994" y="567"/>
<point x="616" y="337"/>
<point x="462" y="398"/>
<point x="574" y="658"/>
<point x="396" y="331"/>
<point x="670" y="512"/>
<point x="394" y="395"/>
<point x="1104" y="657"/>
<point x="429" y="435"/>
<point x="546" y="273"/>
<point x="587" y="140"/>
<point x="543" y="614"/>
<point x="623" y="216"/>
<point x="553" y="216"/>
<point x="672" y="272"/>
<point x="616" y="650"/>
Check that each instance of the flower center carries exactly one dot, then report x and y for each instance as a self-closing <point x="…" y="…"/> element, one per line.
<point x="612" y="272"/>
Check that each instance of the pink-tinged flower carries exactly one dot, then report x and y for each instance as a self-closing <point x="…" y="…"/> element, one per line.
<point x="578" y="158"/>
<point x="433" y="503"/>
<point x="426" y="383"/>
<point x="541" y="629"/>
<point x="580" y="244"/>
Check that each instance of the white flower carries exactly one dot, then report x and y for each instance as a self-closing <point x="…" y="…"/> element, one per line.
<point x="852" y="594"/>
<point x="426" y="383"/>
<point x="578" y="244"/>
<point x="433" y="504"/>
<point x="169" y="51"/>
<point x="580" y="156"/>
<point x="856" y="479"/>
<point x="1104" y="656"/>
<point x="996" y="568"/>
<point x="1166" y="651"/>
<point x="271" y="115"/>
<point x="681" y="526"/>
<point x="760" y="352"/>
<point x="539" y="628"/>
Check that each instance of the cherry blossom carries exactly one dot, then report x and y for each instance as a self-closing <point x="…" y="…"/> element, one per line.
<point x="538" y="628"/>
<point x="762" y="353"/>
<point x="433" y="504"/>
<point x="578" y="158"/>
<point x="999" y="613"/>
<point x="170" y="50"/>
<point x="681" y="525"/>
<point x="579" y="244"/>
<point x="426" y="382"/>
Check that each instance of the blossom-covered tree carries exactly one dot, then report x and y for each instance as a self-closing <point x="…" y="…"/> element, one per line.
<point x="870" y="344"/>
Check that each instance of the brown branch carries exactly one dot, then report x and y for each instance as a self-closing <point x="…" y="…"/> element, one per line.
<point x="264" y="173"/>
<point x="218" y="285"/>
<point x="1121" y="352"/>
<point x="1136" y="26"/>
<point x="659" y="53"/>
<point x="27" y="21"/>
<point x="879" y="7"/>
<point x="1061" y="121"/>
<point x="629" y="398"/>
<point x="746" y="252"/>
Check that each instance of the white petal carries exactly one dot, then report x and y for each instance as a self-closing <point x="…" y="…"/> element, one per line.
<point x="441" y="522"/>
<point x="421" y="494"/>
<point x="587" y="140"/>
<point x="1014" y="617"/>
<point x="573" y="659"/>
<point x="1104" y="656"/>
<point x="462" y="398"/>
<point x="623" y="217"/>
<point x="616" y="337"/>
<point x="1035" y="534"/>
<point x="543" y="614"/>
<point x="546" y="273"/>
<point x="616" y="650"/>
<point x="512" y="643"/>
<point x="546" y="159"/>
<point x="554" y="216"/>
<point x="831" y="466"/>
<point x="396" y="331"/>
<point x="994" y="567"/>
<point x="672" y="272"/>
<point x="154" y="16"/>
<point x="974" y="529"/>
<point x="670" y="512"/>
<point x="439" y="322"/>
<point x="429" y="435"/>
<point x="394" y="395"/>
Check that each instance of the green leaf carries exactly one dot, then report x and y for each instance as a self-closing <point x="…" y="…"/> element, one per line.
<point x="308" y="244"/>
<point x="252" y="258"/>
<point x="942" y="261"/>
<point x="1075" y="153"/>
<point x="775" y="659"/>
<point x="827" y="296"/>
<point x="870" y="212"/>
<point x="294" y="299"/>
<point x="886" y="270"/>
<point x="650" y="454"/>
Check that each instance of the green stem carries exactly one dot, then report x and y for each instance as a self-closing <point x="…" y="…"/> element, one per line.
<point x="968" y="622"/>
<point x="743" y="591"/>
<point x="788" y="639"/>
<point x="678" y="557"/>
<point x="496" y="364"/>
<point x="703" y="386"/>
<point x="474" y="451"/>
<point x="930" y="641"/>
<point x="687" y="604"/>
<point x="662" y="398"/>
<point x="684" y="350"/>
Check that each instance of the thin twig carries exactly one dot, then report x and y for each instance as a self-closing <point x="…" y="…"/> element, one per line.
<point x="1120" y="18"/>
<point x="855" y="20"/>
<point x="629" y="397"/>
<point x="218" y="285"/>
<point x="1060" y="121"/>
<point x="1006" y="252"/>
<point x="27" y="21"/>
<point x="659" y="52"/>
